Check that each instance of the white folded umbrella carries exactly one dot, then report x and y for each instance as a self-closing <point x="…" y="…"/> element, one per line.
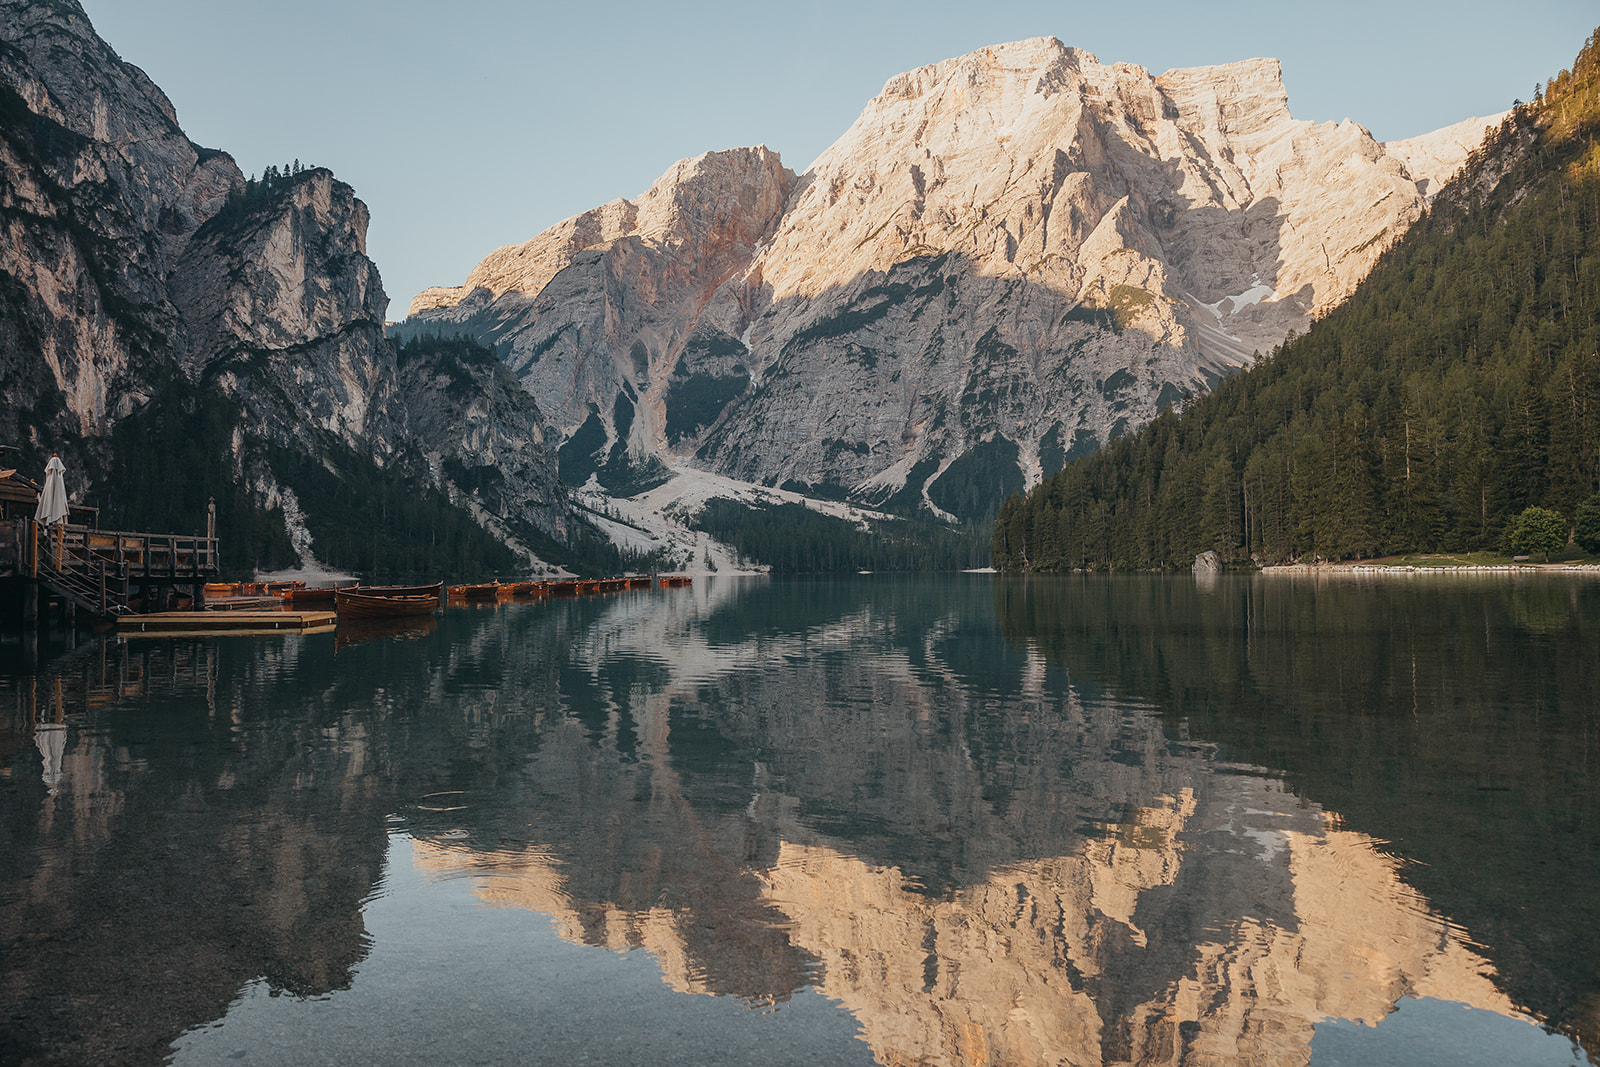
<point x="53" y="501"/>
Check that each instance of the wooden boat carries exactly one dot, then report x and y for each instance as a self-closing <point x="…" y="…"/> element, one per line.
<point x="479" y="591"/>
<point x="521" y="588"/>
<point x="216" y="590"/>
<point x="387" y="601"/>
<point x="319" y="594"/>
<point x="399" y="590"/>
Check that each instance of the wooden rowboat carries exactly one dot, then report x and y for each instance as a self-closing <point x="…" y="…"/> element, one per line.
<point x="384" y="602"/>
<point x="401" y="590"/>
<point x="316" y="594"/>
<point x="481" y="591"/>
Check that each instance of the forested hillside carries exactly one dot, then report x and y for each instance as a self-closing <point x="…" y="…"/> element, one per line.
<point x="1458" y="387"/>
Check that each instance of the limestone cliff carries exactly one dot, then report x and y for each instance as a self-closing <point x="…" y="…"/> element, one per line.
<point x="598" y="314"/>
<point x="281" y="306"/>
<point x="99" y="190"/>
<point x="145" y="280"/>
<point x="1009" y="257"/>
<point x="483" y="439"/>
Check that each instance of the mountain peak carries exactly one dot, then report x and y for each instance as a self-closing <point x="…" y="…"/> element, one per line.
<point x="1009" y="255"/>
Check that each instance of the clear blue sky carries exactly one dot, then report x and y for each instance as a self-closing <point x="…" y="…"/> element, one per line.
<point x="469" y="126"/>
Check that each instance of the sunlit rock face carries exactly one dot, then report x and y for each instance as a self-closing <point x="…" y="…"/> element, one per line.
<point x="135" y="267"/>
<point x="598" y="315"/>
<point x="282" y="306"/>
<point x="102" y="191"/>
<point x="1022" y="249"/>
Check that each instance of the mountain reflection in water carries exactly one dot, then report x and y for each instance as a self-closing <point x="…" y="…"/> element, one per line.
<point x="1079" y="821"/>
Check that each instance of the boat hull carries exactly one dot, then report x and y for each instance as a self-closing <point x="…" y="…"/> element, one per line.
<point x="388" y="602"/>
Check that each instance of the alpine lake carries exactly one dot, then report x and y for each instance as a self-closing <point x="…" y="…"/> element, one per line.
<point x="932" y="819"/>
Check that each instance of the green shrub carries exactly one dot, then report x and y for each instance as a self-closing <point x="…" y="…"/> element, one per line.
<point x="1537" y="531"/>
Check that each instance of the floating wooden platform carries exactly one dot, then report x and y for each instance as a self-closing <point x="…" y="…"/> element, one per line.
<point x="227" y="622"/>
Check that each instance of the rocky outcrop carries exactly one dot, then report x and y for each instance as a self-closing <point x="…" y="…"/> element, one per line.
<point x="598" y="315"/>
<point x="99" y="192"/>
<point x="1009" y="257"/>
<point x="280" y="304"/>
<point x="483" y="439"/>
<point x="1434" y="158"/>
<point x="139" y="270"/>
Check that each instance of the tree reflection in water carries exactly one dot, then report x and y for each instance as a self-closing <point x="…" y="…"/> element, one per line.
<point x="1076" y="821"/>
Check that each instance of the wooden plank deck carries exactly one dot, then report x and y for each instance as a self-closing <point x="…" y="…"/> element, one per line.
<point x="208" y="622"/>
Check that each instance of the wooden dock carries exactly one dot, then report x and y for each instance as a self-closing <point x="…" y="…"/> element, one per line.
<point x="168" y="623"/>
<point x="98" y="571"/>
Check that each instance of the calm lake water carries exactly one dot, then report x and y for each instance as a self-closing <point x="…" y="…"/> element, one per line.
<point x="930" y="820"/>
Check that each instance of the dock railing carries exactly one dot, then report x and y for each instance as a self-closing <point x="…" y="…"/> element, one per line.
<point x="95" y="568"/>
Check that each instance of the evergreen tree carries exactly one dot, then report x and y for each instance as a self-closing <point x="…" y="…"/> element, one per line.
<point x="1586" y="525"/>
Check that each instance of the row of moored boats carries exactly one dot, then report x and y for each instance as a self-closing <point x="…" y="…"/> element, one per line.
<point x="391" y="601"/>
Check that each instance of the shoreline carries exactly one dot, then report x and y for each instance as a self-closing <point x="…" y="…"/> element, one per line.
<point x="1589" y="569"/>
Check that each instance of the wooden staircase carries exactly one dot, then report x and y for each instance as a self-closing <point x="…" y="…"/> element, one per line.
<point x="101" y="590"/>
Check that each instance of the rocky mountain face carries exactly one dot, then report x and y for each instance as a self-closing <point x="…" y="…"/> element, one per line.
<point x="139" y="269"/>
<point x="1009" y="258"/>
<point x="281" y="293"/>
<point x="101" y="190"/>
<point x="482" y="438"/>
<point x="600" y="316"/>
